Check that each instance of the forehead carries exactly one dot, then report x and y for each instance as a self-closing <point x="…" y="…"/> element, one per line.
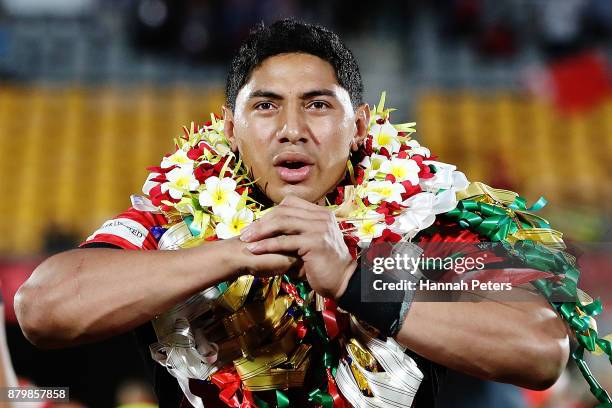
<point x="292" y="73"/>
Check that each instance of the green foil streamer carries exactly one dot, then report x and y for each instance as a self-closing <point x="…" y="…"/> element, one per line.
<point x="494" y="222"/>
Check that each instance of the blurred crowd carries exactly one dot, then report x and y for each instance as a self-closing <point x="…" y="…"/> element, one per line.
<point x="553" y="50"/>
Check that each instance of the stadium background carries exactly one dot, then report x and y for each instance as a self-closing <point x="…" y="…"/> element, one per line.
<point x="515" y="92"/>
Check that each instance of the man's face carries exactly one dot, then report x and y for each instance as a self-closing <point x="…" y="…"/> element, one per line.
<point x="294" y="126"/>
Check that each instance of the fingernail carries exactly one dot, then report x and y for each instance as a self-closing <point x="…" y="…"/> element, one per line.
<point x="252" y="246"/>
<point x="245" y="234"/>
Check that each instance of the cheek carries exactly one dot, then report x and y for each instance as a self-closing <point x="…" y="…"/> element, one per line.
<point x="335" y="146"/>
<point x="255" y="157"/>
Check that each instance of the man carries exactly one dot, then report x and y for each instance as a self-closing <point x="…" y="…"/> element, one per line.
<point x="294" y="113"/>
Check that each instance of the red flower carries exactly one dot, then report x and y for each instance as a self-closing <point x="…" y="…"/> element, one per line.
<point x="351" y="243"/>
<point x="162" y="170"/>
<point x="195" y="153"/>
<point x="425" y="172"/>
<point x="360" y="175"/>
<point x="339" y="196"/>
<point x="410" y="189"/>
<point x="387" y="236"/>
<point x="388" y="208"/>
<point x="206" y="146"/>
<point x="418" y="158"/>
<point x="368" y="146"/>
<point x="157" y="197"/>
<point x="217" y="167"/>
<point x="203" y="171"/>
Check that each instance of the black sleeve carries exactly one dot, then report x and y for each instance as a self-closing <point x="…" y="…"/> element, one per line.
<point x="100" y="245"/>
<point x="434" y="375"/>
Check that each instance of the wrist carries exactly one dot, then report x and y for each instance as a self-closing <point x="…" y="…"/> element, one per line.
<point x="385" y="314"/>
<point x="233" y="255"/>
<point x="222" y="260"/>
<point x="348" y="274"/>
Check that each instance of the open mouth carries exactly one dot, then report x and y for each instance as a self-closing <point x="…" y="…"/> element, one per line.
<point x="293" y="164"/>
<point x="293" y="167"/>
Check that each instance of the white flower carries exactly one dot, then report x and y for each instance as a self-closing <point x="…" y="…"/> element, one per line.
<point x="372" y="164"/>
<point x="180" y="180"/>
<point x="419" y="215"/>
<point x="178" y="158"/>
<point x="219" y="194"/>
<point x="460" y="182"/>
<point x="377" y="191"/>
<point x="416" y="148"/>
<point x="401" y="169"/>
<point x="443" y="179"/>
<point x="385" y="135"/>
<point x="148" y="185"/>
<point x="233" y="222"/>
<point x="369" y="227"/>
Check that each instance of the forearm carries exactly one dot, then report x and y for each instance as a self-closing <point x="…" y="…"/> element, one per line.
<point x="89" y="294"/>
<point x="523" y="343"/>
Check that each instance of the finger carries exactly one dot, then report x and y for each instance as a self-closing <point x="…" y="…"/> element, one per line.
<point x="281" y="225"/>
<point x="280" y="212"/>
<point x="272" y="264"/>
<point x="297" y="202"/>
<point x="297" y="212"/>
<point x="299" y="244"/>
<point x="311" y="208"/>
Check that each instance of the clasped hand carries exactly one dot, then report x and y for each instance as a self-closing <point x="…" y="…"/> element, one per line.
<point x="310" y="233"/>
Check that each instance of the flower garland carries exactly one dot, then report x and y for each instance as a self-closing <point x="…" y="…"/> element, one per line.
<point x="255" y="335"/>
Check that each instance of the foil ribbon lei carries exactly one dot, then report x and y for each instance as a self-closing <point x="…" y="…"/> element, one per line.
<point x="503" y="216"/>
<point x="256" y="336"/>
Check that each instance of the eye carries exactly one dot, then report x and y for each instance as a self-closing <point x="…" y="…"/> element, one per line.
<point x="318" y="105"/>
<point x="264" y="106"/>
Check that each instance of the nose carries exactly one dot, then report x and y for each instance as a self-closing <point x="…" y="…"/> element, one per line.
<point x="293" y="127"/>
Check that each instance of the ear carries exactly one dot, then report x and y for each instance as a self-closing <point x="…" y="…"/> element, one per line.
<point x="228" y="127"/>
<point x="362" y="123"/>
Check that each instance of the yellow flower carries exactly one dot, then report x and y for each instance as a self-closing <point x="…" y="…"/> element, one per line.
<point x="401" y="169"/>
<point x="385" y="135"/>
<point x="219" y="194"/>
<point x="378" y="191"/>
<point x="179" y="158"/>
<point x="180" y="181"/>
<point x="370" y="226"/>
<point x="233" y="223"/>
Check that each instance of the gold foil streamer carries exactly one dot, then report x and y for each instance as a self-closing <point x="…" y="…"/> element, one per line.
<point x="257" y="314"/>
<point x="279" y="378"/>
<point x="478" y="189"/>
<point x="235" y="295"/>
<point x="365" y="360"/>
<point x="267" y="357"/>
<point x="552" y="239"/>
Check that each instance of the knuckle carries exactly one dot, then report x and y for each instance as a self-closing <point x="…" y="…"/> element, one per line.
<point x="321" y="226"/>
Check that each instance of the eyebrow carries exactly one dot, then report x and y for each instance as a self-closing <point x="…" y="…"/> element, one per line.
<point x="306" y="95"/>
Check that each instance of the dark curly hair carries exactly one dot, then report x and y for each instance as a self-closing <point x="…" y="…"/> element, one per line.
<point x="286" y="36"/>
